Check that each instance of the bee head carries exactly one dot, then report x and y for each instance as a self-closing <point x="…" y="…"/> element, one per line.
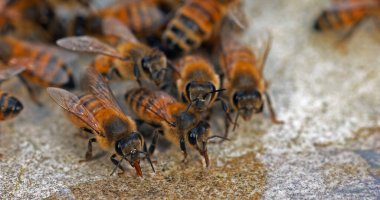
<point x="200" y="94"/>
<point x="199" y="137"/>
<point x="155" y="65"/>
<point x="248" y="103"/>
<point x="131" y="149"/>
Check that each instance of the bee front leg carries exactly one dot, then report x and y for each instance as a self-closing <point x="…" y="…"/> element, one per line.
<point x="116" y="162"/>
<point x="153" y="145"/>
<point x="31" y="91"/>
<point x="136" y="72"/>
<point x="271" y="110"/>
<point x="182" y="144"/>
<point x="88" y="155"/>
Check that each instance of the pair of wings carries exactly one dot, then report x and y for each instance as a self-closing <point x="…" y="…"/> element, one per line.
<point x="110" y="26"/>
<point x="100" y="89"/>
<point x="260" y="44"/>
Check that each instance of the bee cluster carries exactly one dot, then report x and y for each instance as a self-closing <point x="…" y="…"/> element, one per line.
<point x="185" y="55"/>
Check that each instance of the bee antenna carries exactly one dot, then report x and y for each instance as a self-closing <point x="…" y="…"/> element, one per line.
<point x="118" y="164"/>
<point x="163" y="118"/>
<point x="172" y="66"/>
<point x="235" y="123"/>
<point x="148" y="158"/>
<point x="214" y="91"/>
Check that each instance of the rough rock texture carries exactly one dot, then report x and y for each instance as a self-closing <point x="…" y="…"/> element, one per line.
<point x="328" y="148"/>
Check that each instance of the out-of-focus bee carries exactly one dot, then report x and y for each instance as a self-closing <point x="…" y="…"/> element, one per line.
<point x="194" y="23"/>
<point x="100" y="114"/>
<point x="245" y="83"/>
<point x="38" y="11"/>
<point x="198" y="84"/>
<point x="20" y="28"/>
<point x="43" y="65"/>
<point x="10" y="106"/>
<point x="347" y="14"/>
<point x="131" y="60"/>
<point x="141" y="16"/>
<point x="179" y="124"/>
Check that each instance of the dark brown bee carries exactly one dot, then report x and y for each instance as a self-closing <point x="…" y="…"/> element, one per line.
<point x="131" y="60"/>
<point x="100" y="114"/>
<point x="10" y="106"/>
<point x="43" y="65"/>
<point x="194" y="23"/>
<point x="13" y="25"/>
<point x="245" y="83"/>
<point x="346" y="14"/>
<point x="40" y="12"/>
<point x="198" y="83"/>
<point x="179" y="124"/>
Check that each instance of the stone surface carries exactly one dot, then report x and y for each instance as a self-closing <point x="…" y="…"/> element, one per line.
<point x="328" y="148"/>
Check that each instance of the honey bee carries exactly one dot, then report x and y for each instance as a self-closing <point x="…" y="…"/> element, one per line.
<point x="43" y="66"/>
<point x="10" y="106"/>
<point x="40" y="12"/>
<point x="99" y="114"/>
<point x="20" y="28"/>
<point x="194" y="23"/>
<point x="245" y="83"/>
<point x="198" y="84"/>
<point x="141" y="16"/>
<point x="131" y="60"/>
<point x="179" y="124"/>
<point x="346" y="14"/>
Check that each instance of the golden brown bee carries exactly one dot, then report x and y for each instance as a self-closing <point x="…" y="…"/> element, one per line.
<point x="141" y="16"/>
<point x="100" y="114"/>
<point x="178" y="123"/>
<point x="245" y="83"/>
<point x="347" y="14"/>
<point x="10" y="106"/>
<point x="194" y="23"/>
<point x="43" y="66"/>
<point x="131" y="60"/>
<point x="198" y="83"/>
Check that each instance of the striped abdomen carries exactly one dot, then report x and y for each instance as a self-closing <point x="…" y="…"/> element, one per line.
<point x="337" y="19"/>
<point x="10" y="106"/>
<point x="234" y="58"/>
<point x="142" y="17"/>
<point x="150" y="105"/>
<point x="48" y="70"/>
<point x="192" y="25"/>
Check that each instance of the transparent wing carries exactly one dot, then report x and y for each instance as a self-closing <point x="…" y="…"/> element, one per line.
<point x="112" y="26"/>
<point x="12" y="70"/>
<point x="89" y="45"/>
<point x="262" y="42"/>
<point x="101" y="90"/>
<point x="71" y="103"/>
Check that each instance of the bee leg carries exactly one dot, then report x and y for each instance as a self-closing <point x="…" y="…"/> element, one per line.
<point x="227" y="123"/>
<point x="271" y="110"/>
<point x="153" y="145"/>
<point x="88" y="155"/>
<point x="31" y="91"/>
<point x="116" y="162"/>
<point x="182" y="144"/>
<point x="113" y="71"/>
<point x="350" y="32"/>
<point x="136" y="72"/>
